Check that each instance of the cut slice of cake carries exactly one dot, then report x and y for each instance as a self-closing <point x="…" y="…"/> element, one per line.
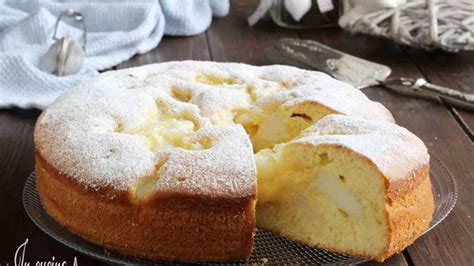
<point x="349" y="185"/>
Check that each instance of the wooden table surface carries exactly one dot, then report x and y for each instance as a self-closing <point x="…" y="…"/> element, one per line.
<point x="447" y="131"/>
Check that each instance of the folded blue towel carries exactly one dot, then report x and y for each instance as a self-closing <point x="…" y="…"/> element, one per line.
<point x="115" y="32"/>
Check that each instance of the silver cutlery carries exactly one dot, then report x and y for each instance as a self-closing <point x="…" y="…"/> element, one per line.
<point x="362" y="73"/>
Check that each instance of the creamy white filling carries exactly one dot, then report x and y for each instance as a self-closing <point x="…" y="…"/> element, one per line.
<point x="329" y="185"/>
<point x="163" y="134"/>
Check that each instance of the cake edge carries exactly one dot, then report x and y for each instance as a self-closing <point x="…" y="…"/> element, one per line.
<point x="71" y="206"/>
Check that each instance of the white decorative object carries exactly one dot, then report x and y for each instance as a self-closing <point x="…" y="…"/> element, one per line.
<point x="65" y="57"/>
<point x="355" y="9"/>
<point x="442" y="24"/>
<point x="297" y="8"/>
<point x="325" y="5"/>
<point x="261" y="10"/>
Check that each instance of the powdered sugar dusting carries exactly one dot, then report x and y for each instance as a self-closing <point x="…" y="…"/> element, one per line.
<point x="92" y="133"/>
<point x="80" y="135"/>
<point x="219" y="171"/>
<point x="395" y="150"/>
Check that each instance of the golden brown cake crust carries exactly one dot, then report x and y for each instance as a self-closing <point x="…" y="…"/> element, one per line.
<point x="410" y="213"/>
<point x="171" y="227"/>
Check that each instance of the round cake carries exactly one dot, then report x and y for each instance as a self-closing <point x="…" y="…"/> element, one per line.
<point x="162" y="162"/>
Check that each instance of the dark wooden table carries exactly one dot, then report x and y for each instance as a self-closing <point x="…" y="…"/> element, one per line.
<point x="448" y="132"/>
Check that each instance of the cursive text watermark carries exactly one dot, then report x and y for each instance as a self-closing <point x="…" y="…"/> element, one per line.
<point x="20" y="259"/>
